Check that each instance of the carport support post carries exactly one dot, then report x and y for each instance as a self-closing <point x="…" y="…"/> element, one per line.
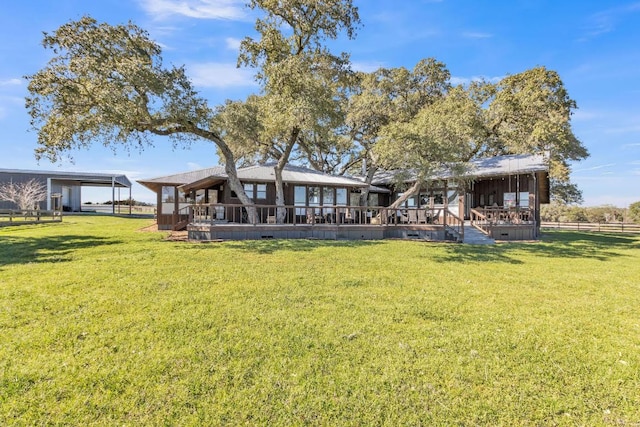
<point x="130" y="201"/>
<point x="113" y="195"/>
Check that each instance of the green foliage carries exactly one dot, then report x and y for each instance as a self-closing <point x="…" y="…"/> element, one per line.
<point x="531" y="112"/>
<point x="107" y="84"/>
<point x="104" y="324"/>
<point x="558" y="212"/>
<point x="301" y="80"/>
<point x="634" y="212"/>
<point x="416" y="120"/>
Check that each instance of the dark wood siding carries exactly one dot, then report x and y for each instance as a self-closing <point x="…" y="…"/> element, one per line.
<point x="489" y="191"/>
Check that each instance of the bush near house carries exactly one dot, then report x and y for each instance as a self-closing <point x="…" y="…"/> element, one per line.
<point x="103" y="324"/>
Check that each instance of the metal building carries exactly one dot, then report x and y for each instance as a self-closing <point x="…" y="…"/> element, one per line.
<point x="68" y="184"/>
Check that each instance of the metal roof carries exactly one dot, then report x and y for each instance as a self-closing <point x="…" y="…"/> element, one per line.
<point x="295" y="175"/>
<point x="182" y="178"/>
<point x="513" y="164"/>
<point x="82" y="178"/>
<point x="258" y="173"/>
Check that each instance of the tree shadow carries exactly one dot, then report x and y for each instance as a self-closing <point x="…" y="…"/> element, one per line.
<point x="596" y="246"/>
<point x="293" y="245"/>
<point x="50" y="249"/>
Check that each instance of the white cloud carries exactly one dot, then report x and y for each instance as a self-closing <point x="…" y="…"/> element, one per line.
<point x="606" y="21"/>
<point x="476" y="35"/>
<point x="634" y="145"/>
<point x="466" y="80"/>
<point x="593" y="168"/>
<point x="11" y="82"/>
<point x="201" y="9"/>
<point x="233" y="43"/>
<point x="220" y="75"/>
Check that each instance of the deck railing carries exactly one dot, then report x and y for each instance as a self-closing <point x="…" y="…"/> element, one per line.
<point x="484" y="218"/>
<point x="220" y="213"/>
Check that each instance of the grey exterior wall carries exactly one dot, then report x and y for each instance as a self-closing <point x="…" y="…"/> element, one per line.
<point x="71" y="194"/>
<point x="6" y="178"/>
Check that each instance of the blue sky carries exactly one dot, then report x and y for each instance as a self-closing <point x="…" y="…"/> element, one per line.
<point x="594" y="45"/>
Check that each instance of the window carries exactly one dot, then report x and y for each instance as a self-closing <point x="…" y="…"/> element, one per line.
<point x="438" y="198"/>
<point x="373" y="199"/>
<point x="524" y="199"/>
<point x="168" y="194"/>
<point x="248" y="188"/>
<point x="341" y="196"/>
<point x="410" y="202"/>
<point x="200" y="199"/>
<point x="452" y="198"/>
<point x="261" y="191"/>
<point x="300" y="198"/>
<point x="313" y="194"/>
<point x="183" y="201"/>
<point x="509" y="200"/>
<point x="168" y="199"/>
<point x="328" y="198"/>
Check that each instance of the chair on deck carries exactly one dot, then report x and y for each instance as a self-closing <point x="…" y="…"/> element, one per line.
<point x="422" y="216"/>
<point x="413" y="216"/>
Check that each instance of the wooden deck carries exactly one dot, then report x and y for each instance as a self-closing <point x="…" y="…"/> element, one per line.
<point x="502" y="223"/>
<point x="235" y="222"/>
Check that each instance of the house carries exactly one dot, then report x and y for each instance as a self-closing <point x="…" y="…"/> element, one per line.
<point x="66" y="184"/>
<point x="302" y="186"/>
<point x="500" y="196"/>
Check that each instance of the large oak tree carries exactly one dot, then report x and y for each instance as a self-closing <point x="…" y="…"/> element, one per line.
<point x="107" y="84"/>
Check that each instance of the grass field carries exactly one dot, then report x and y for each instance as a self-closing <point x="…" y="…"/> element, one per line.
<point x="102" y="324"/>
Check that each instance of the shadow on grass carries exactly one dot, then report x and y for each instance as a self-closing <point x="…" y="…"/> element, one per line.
<point x="561" y="244"/>
<point x="294" y="245"/>
<point x="25" y="250"/>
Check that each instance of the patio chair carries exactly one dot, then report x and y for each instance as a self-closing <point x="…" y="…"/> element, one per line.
<point x="413" y="216"/>
<point x="422" y="216"/>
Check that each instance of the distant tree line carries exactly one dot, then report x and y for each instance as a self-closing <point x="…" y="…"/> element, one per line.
<point x="556" y="212"/>
<point x="126" y="202"/>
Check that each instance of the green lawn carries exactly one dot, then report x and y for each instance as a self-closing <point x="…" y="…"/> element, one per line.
<point x="101" y="324"/>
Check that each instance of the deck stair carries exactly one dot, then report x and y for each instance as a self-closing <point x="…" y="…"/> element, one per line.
<point x="473" y="236"/>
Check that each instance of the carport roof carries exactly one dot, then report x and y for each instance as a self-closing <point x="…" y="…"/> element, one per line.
<point x="88" y="179"/>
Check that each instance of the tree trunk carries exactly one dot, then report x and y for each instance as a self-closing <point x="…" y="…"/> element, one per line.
<point x="364" y="195"/>
<point x="414" y="189"/>
<point x="281" y="211"/>
<point x="229" y="166"/>
<point x="235" y="185"/>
